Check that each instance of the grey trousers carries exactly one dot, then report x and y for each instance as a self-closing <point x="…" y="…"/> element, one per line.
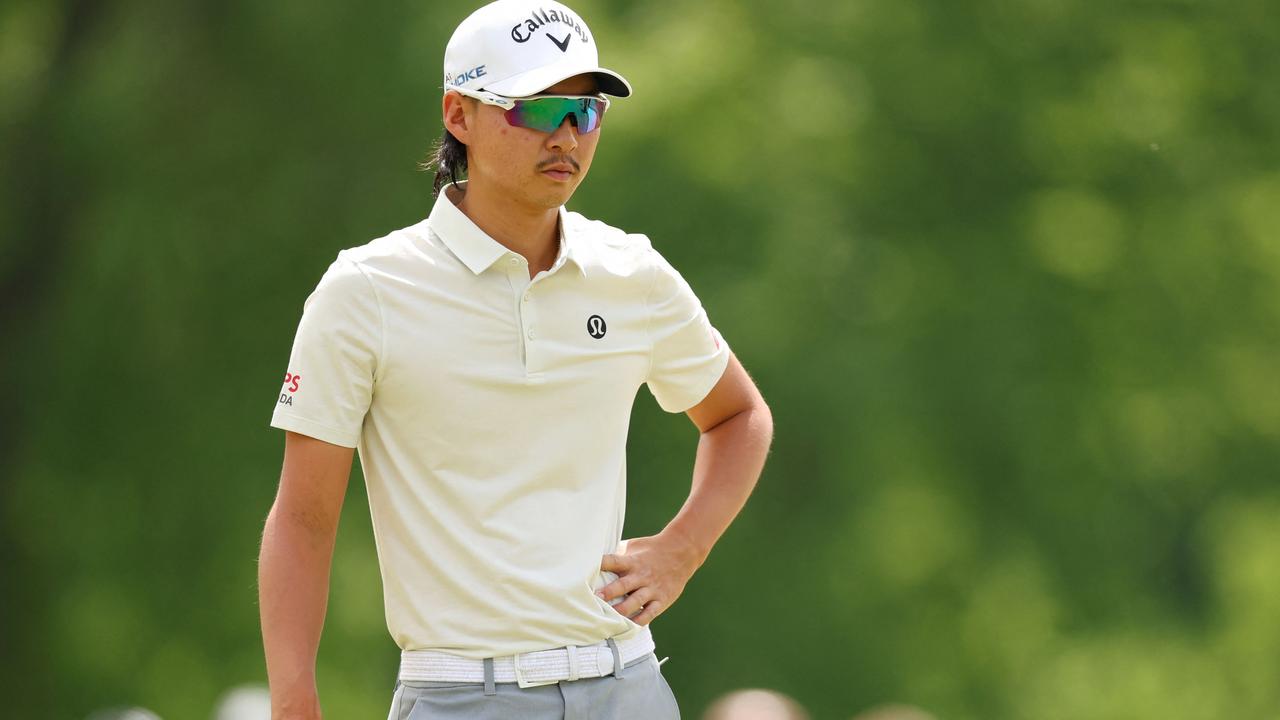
<point x="639" y="692"/>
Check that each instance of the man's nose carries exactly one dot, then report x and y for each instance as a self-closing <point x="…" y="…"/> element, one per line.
<point x="564" y="139"/>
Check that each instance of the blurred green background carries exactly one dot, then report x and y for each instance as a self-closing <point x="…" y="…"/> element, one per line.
<point x="1006" y="271"/>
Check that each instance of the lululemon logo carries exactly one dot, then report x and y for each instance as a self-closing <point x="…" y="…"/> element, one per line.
<point x="596" y="327"/>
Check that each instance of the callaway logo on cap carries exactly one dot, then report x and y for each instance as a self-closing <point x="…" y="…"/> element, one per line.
<point x="516" y="48"/>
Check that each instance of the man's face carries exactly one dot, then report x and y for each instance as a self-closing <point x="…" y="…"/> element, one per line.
<point x="534" y="168"/>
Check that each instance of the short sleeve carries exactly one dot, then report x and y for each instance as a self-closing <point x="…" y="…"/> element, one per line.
<point x="328" y="385"/>
<point x="688" y="354"/>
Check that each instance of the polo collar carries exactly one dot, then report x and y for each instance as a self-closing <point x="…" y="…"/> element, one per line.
<point x="476" y="249"/>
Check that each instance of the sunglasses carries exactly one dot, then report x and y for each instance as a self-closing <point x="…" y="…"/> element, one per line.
<point x="546" y="113"/>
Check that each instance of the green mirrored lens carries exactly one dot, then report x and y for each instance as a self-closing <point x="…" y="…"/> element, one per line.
<point x="547" y="114"/>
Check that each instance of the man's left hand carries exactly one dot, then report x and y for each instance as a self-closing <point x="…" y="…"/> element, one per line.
<point x="652" y="572"/>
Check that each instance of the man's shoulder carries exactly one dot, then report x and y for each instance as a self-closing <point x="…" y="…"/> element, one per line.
<point x="599" y="231"/>
<point x="607" y="244"/>
<point x="392" y="247"/>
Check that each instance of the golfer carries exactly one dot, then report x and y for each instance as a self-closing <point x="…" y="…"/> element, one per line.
<point x="484" y="362"/>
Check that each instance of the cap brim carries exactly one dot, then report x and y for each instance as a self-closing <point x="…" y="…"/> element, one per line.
<point x="535" y="81"/>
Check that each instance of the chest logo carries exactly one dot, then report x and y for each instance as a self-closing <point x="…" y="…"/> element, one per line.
<point x="596" y="327"/>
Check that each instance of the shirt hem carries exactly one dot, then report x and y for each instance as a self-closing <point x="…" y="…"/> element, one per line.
<point x="705" y="388"/>
<point x="319" y="431"/>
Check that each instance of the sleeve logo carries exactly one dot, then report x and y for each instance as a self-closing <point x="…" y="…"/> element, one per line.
<point x="291" y="383"/>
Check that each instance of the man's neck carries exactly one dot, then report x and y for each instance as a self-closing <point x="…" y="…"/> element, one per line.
<point x="533" y="233"/>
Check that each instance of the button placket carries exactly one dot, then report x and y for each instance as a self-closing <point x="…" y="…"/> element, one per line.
<point x="518" y="276"/>
<point x="531" y="326"/>
<point x="526" y="309"/>
<point x="529" y="317"/>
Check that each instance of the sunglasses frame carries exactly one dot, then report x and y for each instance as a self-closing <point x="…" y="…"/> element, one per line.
<point x="509" y="103"/>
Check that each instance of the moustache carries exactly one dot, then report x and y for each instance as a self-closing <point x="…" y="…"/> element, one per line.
<point x="563" y="159"/>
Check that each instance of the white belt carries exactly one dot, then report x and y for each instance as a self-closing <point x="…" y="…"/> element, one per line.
<point x="539" y="667"/>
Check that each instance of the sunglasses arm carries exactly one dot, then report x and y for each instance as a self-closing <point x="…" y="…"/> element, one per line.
<point x="487" y="98"/>
<point x="506" y="103"/>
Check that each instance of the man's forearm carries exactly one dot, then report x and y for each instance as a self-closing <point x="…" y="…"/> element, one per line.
<point x="293" y="591"/>
<point x="652" y="571"/>
<point x="730" y="458"/>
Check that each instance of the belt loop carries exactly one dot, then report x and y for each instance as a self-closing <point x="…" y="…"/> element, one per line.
<point x="573" y="662"/>
<point x="617" y="658"/>
<point x="490" y="688"/>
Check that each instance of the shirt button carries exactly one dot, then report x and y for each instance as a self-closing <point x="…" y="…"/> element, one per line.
<point x="515" y="261"/>
<point x="530" y="333"/>
<point x="526" y="297"/>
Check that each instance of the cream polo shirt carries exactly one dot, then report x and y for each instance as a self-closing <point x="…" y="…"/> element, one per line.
<point x="490" y="412"/>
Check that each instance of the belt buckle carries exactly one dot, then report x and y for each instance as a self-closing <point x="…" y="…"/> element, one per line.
<point x="520" y="678"/>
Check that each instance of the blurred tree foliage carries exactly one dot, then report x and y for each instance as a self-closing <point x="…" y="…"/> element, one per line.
<point x="1007" y="272"/>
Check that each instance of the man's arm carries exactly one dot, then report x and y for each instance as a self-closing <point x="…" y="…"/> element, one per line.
<point x="293" y="569"/>
<point x="737" y="430"/>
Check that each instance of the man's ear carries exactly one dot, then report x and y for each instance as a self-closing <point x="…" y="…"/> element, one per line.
<point x="457" y="119"/>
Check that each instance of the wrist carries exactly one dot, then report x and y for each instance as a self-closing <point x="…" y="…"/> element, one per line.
<point x="688" y="545"/>
<point x="307" y="711"/>
<point x="299" y="700"/>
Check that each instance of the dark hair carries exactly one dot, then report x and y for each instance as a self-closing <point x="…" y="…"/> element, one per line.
<point x="448" y="158"/>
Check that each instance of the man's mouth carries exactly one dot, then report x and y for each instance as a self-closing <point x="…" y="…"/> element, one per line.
<point x="560" y="171"/>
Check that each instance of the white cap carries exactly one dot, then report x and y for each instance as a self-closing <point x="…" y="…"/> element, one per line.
<point x="516" y="48"/>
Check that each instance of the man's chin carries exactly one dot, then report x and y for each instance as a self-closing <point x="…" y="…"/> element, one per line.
<point x="557" y="196"/>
